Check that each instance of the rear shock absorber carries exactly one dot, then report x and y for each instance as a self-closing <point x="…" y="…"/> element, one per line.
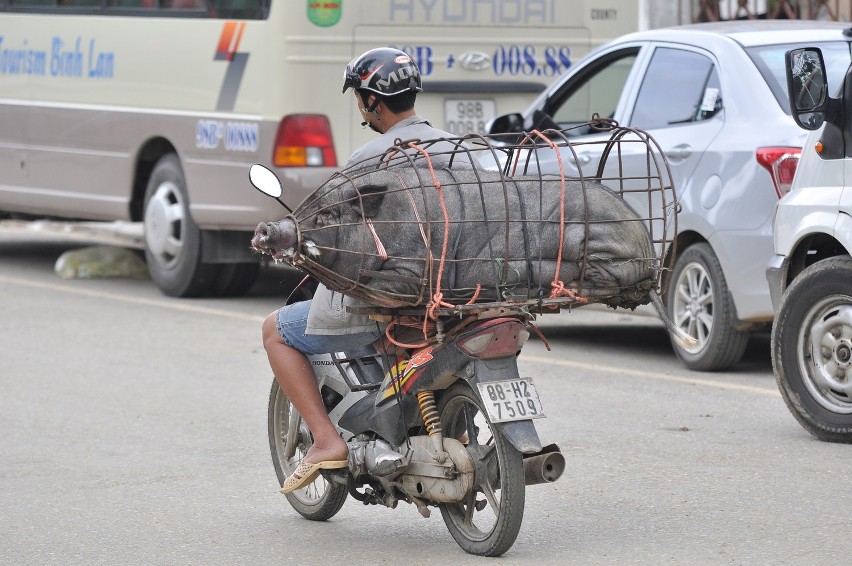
<point x="429" y="413"/>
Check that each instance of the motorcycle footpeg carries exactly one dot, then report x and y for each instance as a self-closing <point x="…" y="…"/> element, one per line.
<point x="340" y="476"/>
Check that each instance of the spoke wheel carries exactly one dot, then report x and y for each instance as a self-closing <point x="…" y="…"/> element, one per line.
<point x="488" y="521"/>
<point x="289" y="440"/>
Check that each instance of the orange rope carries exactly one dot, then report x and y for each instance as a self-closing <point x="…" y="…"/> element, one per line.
<point x="430" y="259"/>
<point x="557" y="286"/>
<point x="427" y="327"/>
<point x="539" y="334"/>
<point x="475" y="295"/>
<point x="437" y="297"/>
<point x="380" y="247"/>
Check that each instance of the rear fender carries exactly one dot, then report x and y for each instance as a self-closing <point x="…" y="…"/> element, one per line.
<point x="521" y="434"/>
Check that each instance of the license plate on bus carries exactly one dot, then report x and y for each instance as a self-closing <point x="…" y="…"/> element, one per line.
<point x="511" y="400"/>
<point x="464" y="116"/>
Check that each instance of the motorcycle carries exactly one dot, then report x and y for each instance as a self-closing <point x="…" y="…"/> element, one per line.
<point x="448" y="424"/>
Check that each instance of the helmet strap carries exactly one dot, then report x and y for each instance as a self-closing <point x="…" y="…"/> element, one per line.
<point x="372" y="107"/>
<point x="365" y="97"/>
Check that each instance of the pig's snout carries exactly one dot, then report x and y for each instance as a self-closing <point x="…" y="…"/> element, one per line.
<point x="274" y="236"/>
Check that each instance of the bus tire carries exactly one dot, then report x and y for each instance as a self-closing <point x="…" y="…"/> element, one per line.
<point x="172" y="239"/>
<point x="235" y="279"/>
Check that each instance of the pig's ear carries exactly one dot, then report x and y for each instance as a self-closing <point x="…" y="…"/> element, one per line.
<point x="371" y="198"/>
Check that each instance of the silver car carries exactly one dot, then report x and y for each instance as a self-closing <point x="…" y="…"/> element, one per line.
<point x="714" y="97"/>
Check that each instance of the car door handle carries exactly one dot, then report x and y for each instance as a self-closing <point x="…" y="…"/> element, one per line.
<point x="679" y="152"/>
<point x="582" y="159"/>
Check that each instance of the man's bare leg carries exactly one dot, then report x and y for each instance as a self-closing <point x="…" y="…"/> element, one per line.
<point x="295" y="376"/>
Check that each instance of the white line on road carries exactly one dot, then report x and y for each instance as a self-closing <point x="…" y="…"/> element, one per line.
<point x="597" y="368"/>
<point x="176" y="304"/>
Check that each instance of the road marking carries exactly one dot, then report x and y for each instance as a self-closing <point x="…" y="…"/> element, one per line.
<point x="651" y="375"/>
<point x="176" y="304"/>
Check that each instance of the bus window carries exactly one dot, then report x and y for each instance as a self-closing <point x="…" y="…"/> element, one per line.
<point x="240" y="9"/>
<point x="34" y="3"/>
<point x="57" y="3"/>
<point x="132" y="3"/>
<point x="185" y="5"/>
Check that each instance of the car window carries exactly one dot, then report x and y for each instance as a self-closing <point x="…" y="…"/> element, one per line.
<point x="679" y="87"/>
<point x="596" y="91"/>
<point x="769" y="60"/>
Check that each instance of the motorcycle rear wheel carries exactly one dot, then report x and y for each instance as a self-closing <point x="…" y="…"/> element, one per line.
<point x="318" y="501"/>
<point x="488" y="521"/>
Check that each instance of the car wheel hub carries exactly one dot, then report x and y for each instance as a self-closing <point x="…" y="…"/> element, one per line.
<point x="164" y="223"/>
<point x="695" y="307"/>
<point x="842" y="354"/>
<point x="827" y="342"/>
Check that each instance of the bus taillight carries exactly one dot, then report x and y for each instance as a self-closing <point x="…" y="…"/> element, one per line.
<point x="304" y="140"/>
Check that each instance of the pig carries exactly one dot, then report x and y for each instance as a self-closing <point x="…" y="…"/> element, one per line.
<point x="396" y="236"/>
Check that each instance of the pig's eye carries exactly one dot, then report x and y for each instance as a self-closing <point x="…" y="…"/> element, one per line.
<point x="326" y="217"/>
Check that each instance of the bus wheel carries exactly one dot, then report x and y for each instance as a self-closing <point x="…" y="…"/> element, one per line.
<point x="172" y="239"/>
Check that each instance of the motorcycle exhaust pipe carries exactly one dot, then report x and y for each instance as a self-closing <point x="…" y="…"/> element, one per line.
<point x="545" y="466"/>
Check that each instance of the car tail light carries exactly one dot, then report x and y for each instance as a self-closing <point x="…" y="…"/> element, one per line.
<point x="781" y="162"/>
<point x="304" y="140"/>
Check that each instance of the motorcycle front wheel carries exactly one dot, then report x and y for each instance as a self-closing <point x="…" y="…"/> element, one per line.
<point x="488" y="521"/>
<point x="289" y="440"/>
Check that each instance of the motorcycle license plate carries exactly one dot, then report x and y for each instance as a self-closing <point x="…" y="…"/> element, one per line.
<point x="511" y="400"/>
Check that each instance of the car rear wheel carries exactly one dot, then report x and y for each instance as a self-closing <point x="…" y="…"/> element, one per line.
<point x="700" y="304"/>
<point x="812" y="349"/>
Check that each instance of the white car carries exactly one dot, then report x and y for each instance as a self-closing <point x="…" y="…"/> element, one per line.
<point x="810" y="277"/>
<point x="714" y="97"/>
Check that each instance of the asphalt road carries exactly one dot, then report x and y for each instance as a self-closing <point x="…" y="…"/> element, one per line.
<point x="134" y="432"/>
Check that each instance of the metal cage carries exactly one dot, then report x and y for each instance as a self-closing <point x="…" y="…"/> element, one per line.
<point x="496" y="223"/>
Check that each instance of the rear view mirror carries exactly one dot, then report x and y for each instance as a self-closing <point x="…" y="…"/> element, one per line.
<point x="506" y="124"/>
<point x="807" y="87"/>
<point x="265" y="181"/>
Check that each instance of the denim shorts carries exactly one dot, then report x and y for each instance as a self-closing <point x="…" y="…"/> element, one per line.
<point x="292" y="320"/>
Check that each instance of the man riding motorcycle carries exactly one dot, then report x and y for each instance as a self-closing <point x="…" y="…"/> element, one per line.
<point x="385" y="82"/>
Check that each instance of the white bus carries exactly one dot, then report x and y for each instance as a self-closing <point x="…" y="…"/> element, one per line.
<point x="152" y="110"/>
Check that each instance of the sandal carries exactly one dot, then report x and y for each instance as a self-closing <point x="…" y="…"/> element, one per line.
<point x="306" y="473"/>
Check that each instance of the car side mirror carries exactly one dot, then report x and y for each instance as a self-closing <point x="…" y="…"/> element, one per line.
<point x="506" y="124"/>
<point x="807" y="87"/>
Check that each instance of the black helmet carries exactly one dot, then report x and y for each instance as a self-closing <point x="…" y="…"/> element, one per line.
<point x="384" y="71"/>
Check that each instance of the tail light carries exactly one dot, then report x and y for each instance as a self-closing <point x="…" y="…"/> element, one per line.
<point x="781" y="162"/>
<point x="496" y="338"/>
<point x="304" y="140"/>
